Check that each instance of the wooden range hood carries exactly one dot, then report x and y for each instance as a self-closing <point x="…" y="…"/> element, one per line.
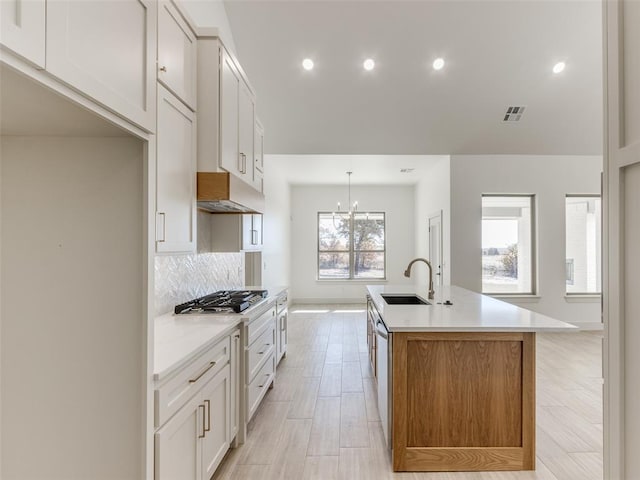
<point x="221" y="192"/>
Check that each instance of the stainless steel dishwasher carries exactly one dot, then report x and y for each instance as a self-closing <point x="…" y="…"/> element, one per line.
<point x="385" y="377"/>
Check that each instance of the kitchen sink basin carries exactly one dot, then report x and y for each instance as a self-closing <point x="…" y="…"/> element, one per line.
<point x="403" y="299"/>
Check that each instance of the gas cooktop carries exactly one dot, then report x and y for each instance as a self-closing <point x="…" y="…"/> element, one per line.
<point x="223" y="301"/>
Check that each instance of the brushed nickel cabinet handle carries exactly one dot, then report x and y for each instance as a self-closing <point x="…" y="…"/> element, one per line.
<point x="266" y="345"/>
<point x="208" y="428"/>
<point x="264" y="383"/>
<point x="194" y="380"/>
<point x="163" y="69"/>
<point x="164" y="223"/>
<point x="203" y="430"/>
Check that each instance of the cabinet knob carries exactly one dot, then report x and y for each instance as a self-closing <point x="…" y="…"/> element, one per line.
<point x="163" y="69"/>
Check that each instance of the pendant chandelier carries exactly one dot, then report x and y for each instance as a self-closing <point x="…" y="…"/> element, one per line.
<point x="353" y="207"/>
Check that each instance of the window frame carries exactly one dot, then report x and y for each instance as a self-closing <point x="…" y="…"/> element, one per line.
<point x="534" y="245"/>
<point x="351" y="250"/>
<point x="584" y="195"/>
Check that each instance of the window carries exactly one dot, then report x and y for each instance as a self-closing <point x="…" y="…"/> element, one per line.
<point x="583" y="244"/>
<point x="507" y="244"/>
<point x="351" y="247"/>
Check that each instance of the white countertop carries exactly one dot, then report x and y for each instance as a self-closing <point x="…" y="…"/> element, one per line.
<point x="470" y="312"/>
<point x="180" y="338"/>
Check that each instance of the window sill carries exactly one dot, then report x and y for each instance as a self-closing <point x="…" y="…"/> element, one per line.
<point x="519" y="297"/>
<point x="347" y="280"/>
<point x="582" y="297"/>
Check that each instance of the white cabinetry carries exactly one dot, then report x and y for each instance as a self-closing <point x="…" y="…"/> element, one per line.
<point x="260" y="359"/>
<point x="175" y="178"/>
<point x="216" y="398"/>
<point x="106" y="50"/>
<point x="282" y="325"/>
<point x="230" y="158"/>
<point x="234" y="416"/>
<point x="194" y="409"/>
<point x="22" y="28"/>
<point x="227" y="115"/>
<point x="258" y="153"/>
<point x="236" y="233"/>
<point x="177" y="54"/>
<point x="246" y="124"/>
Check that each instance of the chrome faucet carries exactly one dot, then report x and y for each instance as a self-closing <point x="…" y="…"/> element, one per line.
<point x="407" y="273"/>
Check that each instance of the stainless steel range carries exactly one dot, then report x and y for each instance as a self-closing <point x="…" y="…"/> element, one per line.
<point x="223" y="301"/>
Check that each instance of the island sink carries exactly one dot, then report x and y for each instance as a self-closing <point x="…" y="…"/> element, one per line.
<point x="407" y="299"/>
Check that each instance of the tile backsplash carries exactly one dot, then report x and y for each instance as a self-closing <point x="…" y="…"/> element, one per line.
<point x="179" y="278"/>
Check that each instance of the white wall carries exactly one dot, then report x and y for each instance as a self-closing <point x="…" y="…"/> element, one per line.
<point x="306" y="201"/>
<point x="276" y="254"/>
<point x="72" y="308"/>
<point x="432" y="194"/>
<point x="550" y="179"/>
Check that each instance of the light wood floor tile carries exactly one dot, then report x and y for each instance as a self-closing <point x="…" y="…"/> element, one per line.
<point x="331" y="382"/>
<point x="321" y="468"/>
<point x="290" y="449"/>
<point x="304" y="400"/>
<point x="354" y="429"/>
<point x="351" y="377"/>
<point x="325" y="431"/>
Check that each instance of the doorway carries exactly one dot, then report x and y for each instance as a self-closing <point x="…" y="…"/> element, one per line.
<point x="435" y="247"/>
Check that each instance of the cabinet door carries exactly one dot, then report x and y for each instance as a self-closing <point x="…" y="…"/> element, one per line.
<point x="230" y="159"/>
<point x="177" y="444"/>
<point x="22" y="28"/>
<point x="252" y="232"/>
<point x="107" y="51"/>
<point x="246" y="122"/>
<point x="216" y="396"/>
<point x="258" y="162"/>
<point x="176" y="175"/>
<point x="234" y="415"/>
<point x="177" y="54"/>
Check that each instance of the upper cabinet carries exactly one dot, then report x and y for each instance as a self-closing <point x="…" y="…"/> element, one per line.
<point x="177" y="54"/>
<point x="258" y="154"/>
<point x="22" y="29"/>
<point x="246" y="123"/>
<point x="229" y="152"/>
<point x="175" y="177"/>
<point x="107" y="51"/>
<point x="227" y="140"/>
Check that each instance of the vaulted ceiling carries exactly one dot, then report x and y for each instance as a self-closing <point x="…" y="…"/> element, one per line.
<point x="497" y="54"/>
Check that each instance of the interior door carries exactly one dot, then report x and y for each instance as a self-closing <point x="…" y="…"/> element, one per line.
<point x="621" y="304"/>
<point x="435" y="248"/>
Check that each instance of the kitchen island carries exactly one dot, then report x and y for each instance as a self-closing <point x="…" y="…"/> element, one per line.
<point x="456" y="382"/>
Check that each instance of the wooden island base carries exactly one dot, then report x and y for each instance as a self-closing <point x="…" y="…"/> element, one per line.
<point x="463" y="401"/>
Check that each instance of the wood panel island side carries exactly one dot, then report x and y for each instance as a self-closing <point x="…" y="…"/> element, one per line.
<point x="460" y="377"/>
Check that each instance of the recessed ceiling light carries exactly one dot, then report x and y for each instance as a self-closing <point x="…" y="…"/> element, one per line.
<point x="438" y="63"/>
<point x="307" y="64"/>
<point x="559" y="67"/>
<point x="369" y="64"/>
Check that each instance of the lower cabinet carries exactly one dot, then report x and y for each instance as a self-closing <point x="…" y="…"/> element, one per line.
<point x="193" y="442"/>
<point x="282" y="324"/>
<point x="260" y="359"/>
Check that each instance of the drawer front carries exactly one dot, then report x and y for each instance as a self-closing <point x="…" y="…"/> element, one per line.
<point x="282" y="302"/>
<point x="259" y="386"/>
<point x="260" y="349"/>
<point x="171" y="396"/>
<point x="257" y="326"/>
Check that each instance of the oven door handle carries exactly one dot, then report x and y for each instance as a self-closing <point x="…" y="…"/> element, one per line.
<point x="382" y="331"/>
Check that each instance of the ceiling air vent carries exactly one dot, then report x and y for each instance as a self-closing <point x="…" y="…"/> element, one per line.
<point x="513" y="114"/>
